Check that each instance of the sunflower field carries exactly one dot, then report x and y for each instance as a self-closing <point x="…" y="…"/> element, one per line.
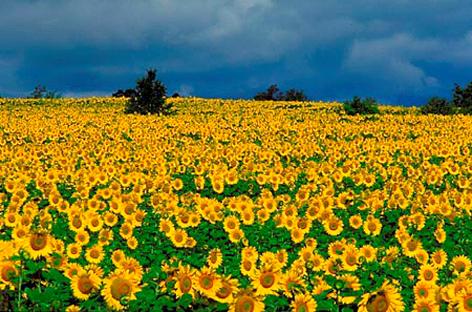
<point x="233" y="205"/>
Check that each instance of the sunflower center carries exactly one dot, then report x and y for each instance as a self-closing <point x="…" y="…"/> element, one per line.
<point x="423" y="292"/>
<point x="85" y="285"/>
<point x="468" y="303"/>
<point x="247" y="265"/>
<point x="224" y="292"/>
<point x="245" y="304"/>
<point x="372" y="227"/>
<point x="351" y="260"/>
<point x="179" y="237"/>
<point x="428" y="275"/>
<point x="267" y="279"/>
<point x="425" y="309"/>
<point x="333" y="225"/>
<point x="301" y="307"/>
<point x="94" y="253"/>
<point x="8" y="272"/>
<point x="185" y="284"/>
<point x="380" y="304"/>
<point x="38" y="241"/>
<point x="411" y="245"/>
<point x="206" y="281"/>
<point x="120" y="287"/>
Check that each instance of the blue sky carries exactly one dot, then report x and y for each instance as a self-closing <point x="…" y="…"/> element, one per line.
<point x="399" y="51"/>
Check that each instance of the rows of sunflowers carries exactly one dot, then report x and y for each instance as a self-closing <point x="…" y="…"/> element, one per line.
<point x="233" y="205"/>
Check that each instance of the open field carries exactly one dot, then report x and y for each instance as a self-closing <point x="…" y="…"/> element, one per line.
<point x="239" y="205"/>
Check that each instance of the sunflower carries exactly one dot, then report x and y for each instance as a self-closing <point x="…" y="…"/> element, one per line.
<point x="74" y="250"/>
<point x="84" y="283"/>
<point x="333" y="226"/>
<point x="385" y="299"/>
<point x="119" y="286"/>
<point x="350" y="259"/>
<point x="424" y="291"/>
<point x="439" y="258"/>
<point x="246" y="301"/>
<point x="355" y="221"/>
<point x="369" y="253"/>
<point x="117" y="257"/>
<point x="110" y="219"/>
<point x="95" y="254"/>
<point x="95" y="223"/>
<point x="82" y="237"/>
<point x="236" y="235"/>
<point x="291" y="283"/>
<point x="38" y="245"/>
<point x="247" y="266"/>
<point x="179" y="238"/>
<point x="303" y="303"/>
<point x="464" y="301"/>
<point x="297" y="235"/>
<point x="126" y="230"/>
<point x="73" y="269"/>
<point x="372" y="226"/>
<point x="215" y="258"/>
<point x="425" y="306"/>
<point x="8" y="272"/>
<point x="184" y="281"/>
<point x="411" y="246"/>
<point x="266" y="282"/>
<point x="460" y="264"/>
<point x="428" y="273"/>
<point x="206" y="282"/>
<point x="131" y="266"/>
<point x="225" y="294"/>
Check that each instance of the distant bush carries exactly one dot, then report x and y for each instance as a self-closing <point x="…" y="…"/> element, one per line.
<point x="149" y="96"/>
<point x="358" y="106"/>
<point x="273" y="93"/>
<point x="126" y="93"/>
<point x="461" y="103"/>
<point x="175" y="95"/>
<point x="41" y="92"/>
<point x="439" y="106"/>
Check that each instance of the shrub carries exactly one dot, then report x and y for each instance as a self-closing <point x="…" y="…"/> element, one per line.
<point x="149" y="96"/>
<point x="462" y="98"/>
<point x="273" y="93"/>
<point x="294" y="95"/>
<point x="126" y="93"/>
<point x="358" y="106"/>
<point x="41" y="92"/>
<point x="437" y="105"/>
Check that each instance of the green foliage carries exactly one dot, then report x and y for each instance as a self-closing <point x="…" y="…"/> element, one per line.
<point x="149" y="96"/>
<point x="358" y="106"/>
<point x="41" y="92"/>
<point x="273" y="93"/>
<point x="439" y="106"/>
<point x="462" y="98"/>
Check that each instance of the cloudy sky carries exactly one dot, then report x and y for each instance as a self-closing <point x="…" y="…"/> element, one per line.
<point x="399" y="51"/>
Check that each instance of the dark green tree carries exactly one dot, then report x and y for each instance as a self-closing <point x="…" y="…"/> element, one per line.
<point x="271" y="94"/>
<point x="462" y="98"/>
<point x="149" y="97"/>
<point x="41" y="92"/>
<point x="437" y="105"/>
<point x="294" y="95"/>
<point x="358" y="106"/>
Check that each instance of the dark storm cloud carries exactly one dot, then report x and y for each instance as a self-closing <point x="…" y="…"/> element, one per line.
<point x="399" y="51"/>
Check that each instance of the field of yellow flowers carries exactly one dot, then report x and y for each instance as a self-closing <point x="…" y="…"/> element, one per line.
<point x="233" y="205"/>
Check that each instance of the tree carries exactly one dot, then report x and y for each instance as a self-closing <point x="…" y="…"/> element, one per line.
<point x="462" y="98"/>
<point x="271" y="94"/>
<point x="41" y="92"/>
<point x="358" y="106"/>
<point x="294" y="95"/>
<point x="149" y="97"/>
<point x="127" y="93"/>
<point x="437" y="105"/>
